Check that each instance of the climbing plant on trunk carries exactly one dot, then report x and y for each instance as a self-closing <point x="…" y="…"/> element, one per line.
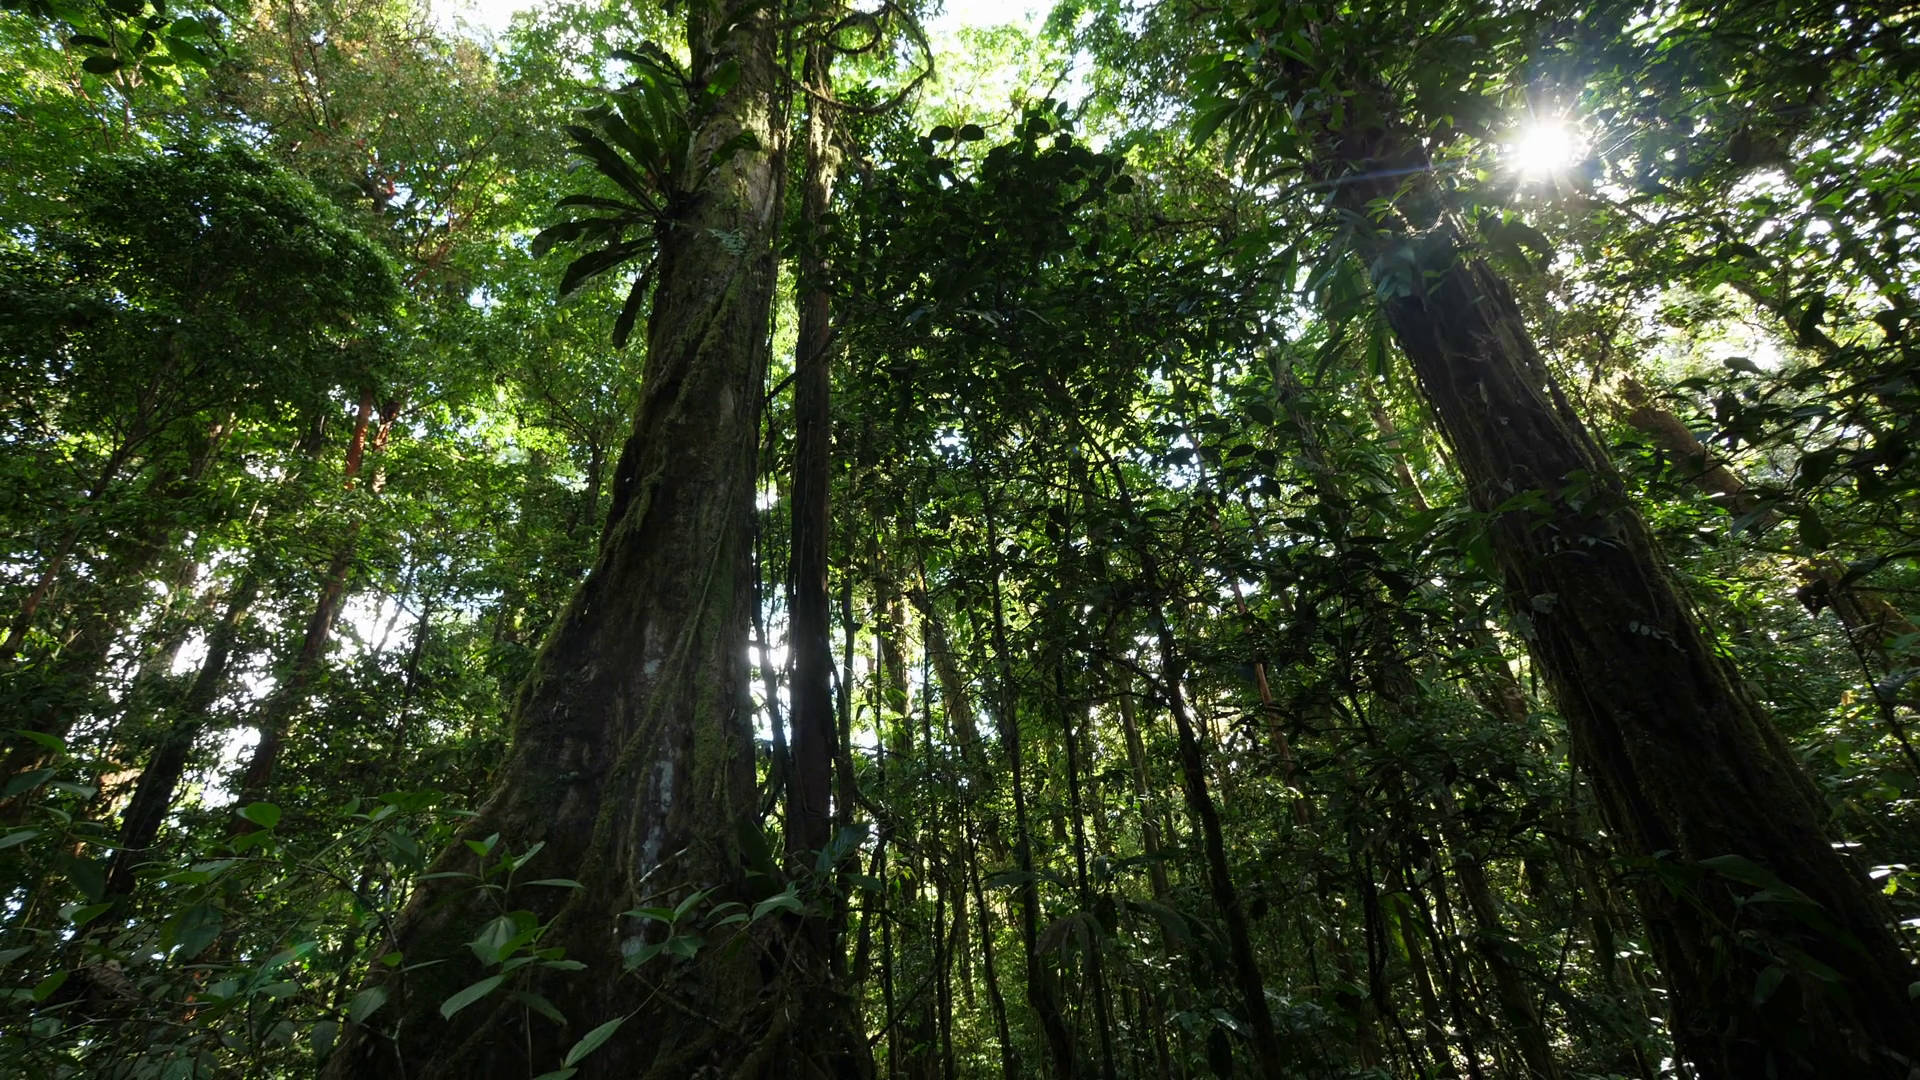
<point x="625" y="813"/>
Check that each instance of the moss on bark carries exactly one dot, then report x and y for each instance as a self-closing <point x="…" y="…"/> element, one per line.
<point x="632" y="760"/>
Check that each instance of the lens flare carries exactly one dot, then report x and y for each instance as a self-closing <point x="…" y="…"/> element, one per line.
<point x="1543" y="148"/>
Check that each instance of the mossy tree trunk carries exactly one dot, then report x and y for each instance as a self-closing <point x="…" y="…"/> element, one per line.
<point x="1779" y="960"/>
<point x="632" y="758"/>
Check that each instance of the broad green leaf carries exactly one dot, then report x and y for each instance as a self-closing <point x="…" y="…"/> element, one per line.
<point x="785" y="901"/>
<point x="540" y="1005"/>
<point x="45" y="988"/>
<point x="724" y="78"/>
<point x="592" y="1040"/>
<point x="470" y="995"/>
<point x="50" y="743"/>
<point x="26" y="781"/>
<point x="366" y="1003"/>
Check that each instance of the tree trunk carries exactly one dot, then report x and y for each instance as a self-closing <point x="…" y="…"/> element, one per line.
<point x="290" y="693"/>
<point x="153" y="796"/>
<point x="632" y="762"/>
<point x="1517" y="1006"/>
<point x="1268" y="1057"/>
<point x="1690" y="775"/>
<point x="809" y="814"/>
<point x="996" y="1001"/>
<point x="1041" y="978"/>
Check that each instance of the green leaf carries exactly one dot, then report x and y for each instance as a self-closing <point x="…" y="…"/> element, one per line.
<point x="193" y="930"/>
<point x="630" y="311"/>
<point x="691" y="901"/>
<point x="492" y="940"/>
<point x="526" y="856"/>
<point x="558" y="883"/>
<point x="970" y="133"/>
<point x="264" y="814"/>
<point x="83" y="916"/>
<point x="323" y="1035"/>
<point x="1809" y="325"/>
<point x="50" y="743"/>
<point x="102" y="65"/>
<point x="1210" y="121"/>
<point x="592" y="1040"/>
<point x="17" y="837"/>
<point x="87" y="875"/>
<point x="1767" y="983"/>
<point x="592" y="265"/>
<point x="724" y="78"/>
<point x="1744" y="870"/>
<point x="595" y="202"/>
<point x="846" y="840"/>
<point x="540" y="1005"/>
<point x="44" y="989"/>
<point x="470" y="995"/>
<point x="1813" y="531"/>
<point x="755" y="852"/>
<point x="26" y="781"/>
<point x="366" y="1003"/>
<point x="785" y="901"/>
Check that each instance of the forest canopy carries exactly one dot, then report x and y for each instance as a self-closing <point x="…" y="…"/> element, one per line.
<point x="807" y="538"/>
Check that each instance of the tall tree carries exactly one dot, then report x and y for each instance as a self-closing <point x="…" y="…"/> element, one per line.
<point x="1778" y="955"/>
<point x="631" y="774"/>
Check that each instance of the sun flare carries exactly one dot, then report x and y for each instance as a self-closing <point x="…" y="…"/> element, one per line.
<point x="1544" y="147"/>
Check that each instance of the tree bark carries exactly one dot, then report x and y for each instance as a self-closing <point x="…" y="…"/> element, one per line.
<point x="809" y="788"/>
<point x="1690" y="775"/>
<point x="632" y="760"/>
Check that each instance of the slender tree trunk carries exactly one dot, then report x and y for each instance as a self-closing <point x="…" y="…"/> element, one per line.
<point x="1151" y="827"/>
<point x="1096" y="973"/>
<point x="1689" y="772"/>
<point x="1269" y="1060"/>
<point x="809" y="789"/>
<point x="632" y="762"/>
<point x="1041" y="993"/>
<point x="1517" y="1005"/>
<point x="290" y="693"/>
<point x="74" y="673"/>
<point x="996" y="1002"/>
<point x="153" y="796"/>
<point x="1432" y="1014"/>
